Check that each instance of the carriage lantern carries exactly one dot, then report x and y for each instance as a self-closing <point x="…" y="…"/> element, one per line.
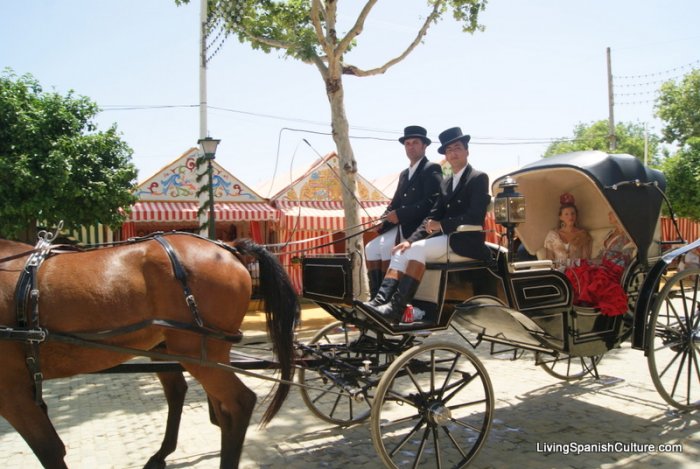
<point x="209" y="149"/>
<point x="509" y="208"/>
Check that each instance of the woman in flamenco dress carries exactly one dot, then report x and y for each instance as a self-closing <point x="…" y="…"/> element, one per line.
<point x="596" y="281"/>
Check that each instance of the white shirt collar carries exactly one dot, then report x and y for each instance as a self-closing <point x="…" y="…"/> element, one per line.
<point x="457" y="177"/>
<point x="412" y="168"/>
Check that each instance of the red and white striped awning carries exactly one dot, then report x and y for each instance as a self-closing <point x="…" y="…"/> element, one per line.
<point x="151" y="211"/>
<point x="323" y="215"/>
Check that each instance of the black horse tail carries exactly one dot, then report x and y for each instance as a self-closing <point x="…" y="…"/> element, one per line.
<point x="281" y="308"/>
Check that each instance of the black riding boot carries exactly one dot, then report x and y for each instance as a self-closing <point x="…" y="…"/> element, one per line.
<point x="386" y="289"/>
<point x="375" y="280"/>
<point x="393" y="310"/>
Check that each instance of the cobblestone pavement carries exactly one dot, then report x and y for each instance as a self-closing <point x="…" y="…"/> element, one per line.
<point x="116" y="421"/>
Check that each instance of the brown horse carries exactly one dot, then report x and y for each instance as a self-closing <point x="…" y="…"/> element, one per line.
<point x="112" y="288"/>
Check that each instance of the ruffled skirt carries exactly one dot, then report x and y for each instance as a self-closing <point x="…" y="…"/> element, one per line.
<point x="598" y="286"/>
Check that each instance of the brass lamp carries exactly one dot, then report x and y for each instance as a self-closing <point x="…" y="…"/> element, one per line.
<point x="509" y="209"/>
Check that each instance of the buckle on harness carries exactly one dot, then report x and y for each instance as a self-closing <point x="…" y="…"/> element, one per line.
<point x="192" y="303"/>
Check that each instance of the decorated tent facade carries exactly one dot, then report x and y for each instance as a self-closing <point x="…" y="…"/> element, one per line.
<point x="312" y="214"/>
<point x="168" y="201"/>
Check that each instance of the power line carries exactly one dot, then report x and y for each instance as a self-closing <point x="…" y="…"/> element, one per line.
<point x="669" y="71"/>
<point x="491" y="141"/>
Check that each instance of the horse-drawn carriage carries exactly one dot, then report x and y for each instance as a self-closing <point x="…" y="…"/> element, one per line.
<point x="430" y="401"/>
<point x="428" y="398"/>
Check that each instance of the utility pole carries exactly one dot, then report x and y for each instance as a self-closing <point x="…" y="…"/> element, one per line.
<point x="646" y="144"/>
<point x="611" y="106"/>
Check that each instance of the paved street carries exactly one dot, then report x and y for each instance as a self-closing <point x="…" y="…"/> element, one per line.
<point x="116" y="421"/>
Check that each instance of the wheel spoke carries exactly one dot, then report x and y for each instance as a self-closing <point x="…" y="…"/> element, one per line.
<point x="408" y="436"/>
<point x="454" y="442"/>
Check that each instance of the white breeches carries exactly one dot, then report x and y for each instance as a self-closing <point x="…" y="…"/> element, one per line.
<point x="435" y="249"/>
<point x="425" y="250"/>
<point x="379" y="249"/>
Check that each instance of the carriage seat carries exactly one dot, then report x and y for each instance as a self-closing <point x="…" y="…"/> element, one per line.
<point x="430" y="283"/>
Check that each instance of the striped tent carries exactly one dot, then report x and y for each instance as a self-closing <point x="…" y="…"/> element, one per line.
<point x="323" y="215"/>
<point x="312" y="214"/>
<point x="689" y="229"/>
<point x="153" y="211"/>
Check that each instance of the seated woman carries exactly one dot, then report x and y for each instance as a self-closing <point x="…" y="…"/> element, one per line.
<point x="567" y="244"/>
<point x="597" y="282"/>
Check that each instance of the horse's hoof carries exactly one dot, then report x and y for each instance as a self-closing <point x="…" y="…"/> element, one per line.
<point x="155" y="463"/>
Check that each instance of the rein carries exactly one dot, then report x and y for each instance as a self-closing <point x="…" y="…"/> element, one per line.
<point x="330" y="243"/>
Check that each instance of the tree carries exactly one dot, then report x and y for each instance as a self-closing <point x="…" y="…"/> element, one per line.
<point x="306" y="30"/>
<point x="594" y="136"/>
<point x="679" y="106"/>
<point x="682" y="171"/>
<point x="54" y="165"/>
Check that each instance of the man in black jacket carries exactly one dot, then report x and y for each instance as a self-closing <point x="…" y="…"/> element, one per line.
<point x="416" y="193"/>
<point x="464" y="199"/>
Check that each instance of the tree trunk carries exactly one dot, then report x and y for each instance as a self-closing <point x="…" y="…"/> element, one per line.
<point x="348" y="169"/>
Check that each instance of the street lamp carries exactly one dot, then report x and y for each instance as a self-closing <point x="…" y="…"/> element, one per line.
<point x="209" y="149"/>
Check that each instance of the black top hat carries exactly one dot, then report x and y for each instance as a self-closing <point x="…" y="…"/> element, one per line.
<point x="450" y="136"/>
<point x="415" y="131"/>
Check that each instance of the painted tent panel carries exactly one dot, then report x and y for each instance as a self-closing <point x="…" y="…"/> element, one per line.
<point x="177" y="182"/>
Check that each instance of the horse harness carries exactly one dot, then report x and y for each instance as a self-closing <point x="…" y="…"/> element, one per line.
<point x="31" y="332"/>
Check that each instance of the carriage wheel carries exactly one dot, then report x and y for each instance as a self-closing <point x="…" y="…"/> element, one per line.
<point x="568" y="368"/>
<point x="433" y="407"/>
<point x="673" y="341"/>
<point x="323" y="398"/>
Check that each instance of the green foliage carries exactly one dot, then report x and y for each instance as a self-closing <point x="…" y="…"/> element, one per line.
<point x="682" y="172"/>
<point x="287" y="25"/>
<point x="679" y="106"/>
<point x="54" y="165"/>
<point x="594" y="136"/>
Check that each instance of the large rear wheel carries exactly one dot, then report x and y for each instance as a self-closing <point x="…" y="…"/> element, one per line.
<point x="432" y="408"/>
<point x="673" y="341"/>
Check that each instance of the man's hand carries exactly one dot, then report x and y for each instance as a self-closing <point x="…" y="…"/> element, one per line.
<point x="433" y="226"/>
<point x="401" y="247"/>
<point x="392" y="217"/>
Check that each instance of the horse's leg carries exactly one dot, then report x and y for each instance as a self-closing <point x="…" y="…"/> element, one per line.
<point x="212" y="414"/>
<point x="175" y="388"/>
<point x="232" y="403"/>
<point x="32" y="423"/>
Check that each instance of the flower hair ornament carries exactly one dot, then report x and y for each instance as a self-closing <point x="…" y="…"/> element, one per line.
<point x="566" y="199"/>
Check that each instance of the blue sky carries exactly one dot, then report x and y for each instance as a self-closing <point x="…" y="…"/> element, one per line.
<point x="537" y="70"/>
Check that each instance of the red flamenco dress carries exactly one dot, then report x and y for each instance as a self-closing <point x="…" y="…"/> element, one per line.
<point x="598" y="284"/>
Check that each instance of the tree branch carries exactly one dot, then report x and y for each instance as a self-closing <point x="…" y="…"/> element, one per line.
<point x="267" y="41"/>
<point x="316" y="11"/>
<point x="357" y="27"/>
<point x="432" y="17"/>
